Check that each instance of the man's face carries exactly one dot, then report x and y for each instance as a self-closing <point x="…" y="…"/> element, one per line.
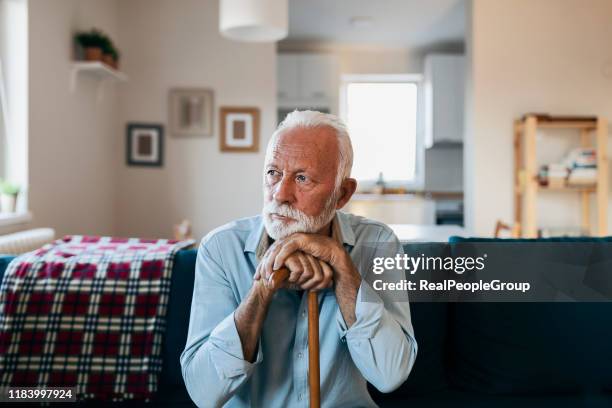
<point x="300" y="181"/>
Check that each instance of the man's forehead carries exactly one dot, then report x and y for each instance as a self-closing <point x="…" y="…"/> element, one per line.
<point x="306" y="143"/>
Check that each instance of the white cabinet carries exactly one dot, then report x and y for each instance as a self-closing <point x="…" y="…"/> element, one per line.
<point x="306" y="80"/>
<point x="288" y="77"/>
<point x="444" y="98"/>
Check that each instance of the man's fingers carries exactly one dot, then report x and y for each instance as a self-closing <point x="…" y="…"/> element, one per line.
<point x="269" y="260"/>
<point x="286" y="249"/>
<point x="257" y="272"/>
<point x="295" y="267"/>
<point x="328" y="274"/>
<point x="317" y="276"/>
<point x="307" y="271"/>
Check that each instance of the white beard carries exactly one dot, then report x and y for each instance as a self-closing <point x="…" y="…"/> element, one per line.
<point x="278" y="229"/>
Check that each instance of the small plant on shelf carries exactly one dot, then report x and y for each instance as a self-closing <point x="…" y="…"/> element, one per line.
<point x="97" y="46"/>
<point x="8" y="196"/>
<point x="92" y="42"/>
<point x="107" y="51"/>
<point x="115" y="55"/>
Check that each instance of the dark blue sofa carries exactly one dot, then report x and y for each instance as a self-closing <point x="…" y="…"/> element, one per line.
<point x="470" y="354"/>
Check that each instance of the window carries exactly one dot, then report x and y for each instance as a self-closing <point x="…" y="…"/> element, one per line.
<point x="14" y="95"/>
<point x="382" y="115"/>
<point x="3" y="121"/>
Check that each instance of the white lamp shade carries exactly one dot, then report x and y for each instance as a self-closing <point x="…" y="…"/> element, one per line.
<point x="254" y="20"/>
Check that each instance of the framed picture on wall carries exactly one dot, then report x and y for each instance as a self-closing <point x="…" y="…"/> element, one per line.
<point x="144" y="144"/>
<point x="239" y="129"/>
<point x="191" y="112"/>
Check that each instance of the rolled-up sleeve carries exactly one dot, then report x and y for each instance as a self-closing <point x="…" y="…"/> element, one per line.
<point x="381" y="340"/>
<point x="213" y="363"/>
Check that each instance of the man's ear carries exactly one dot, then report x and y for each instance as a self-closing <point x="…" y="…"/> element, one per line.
<point x="347" y="189"/>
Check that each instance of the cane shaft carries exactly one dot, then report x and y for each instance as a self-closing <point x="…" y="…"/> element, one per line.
<point x="313" y="340"/>
<point x="313" y="350"/>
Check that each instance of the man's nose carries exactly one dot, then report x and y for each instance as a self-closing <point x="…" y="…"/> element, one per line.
<point x="284" y="191"/>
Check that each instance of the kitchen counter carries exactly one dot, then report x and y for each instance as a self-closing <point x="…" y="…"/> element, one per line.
<point x="426" y="233"/>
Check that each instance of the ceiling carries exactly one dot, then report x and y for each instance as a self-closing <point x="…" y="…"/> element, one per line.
<point x="395" y="23"/>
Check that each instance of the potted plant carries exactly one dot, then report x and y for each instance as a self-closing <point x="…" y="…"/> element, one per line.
<point x="8" y="196"/>
<point x="116" y="55"/>
<point x="92" y="42"/>
<point x="107" y="51"/>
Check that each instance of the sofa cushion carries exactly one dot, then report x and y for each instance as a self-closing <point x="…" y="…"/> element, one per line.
<point x="4" y="261"/>
<point x="451" y="398"/>
<point x="531" y="347"/>
<point x="177" y="320"/>
<point x="429" y="321"/>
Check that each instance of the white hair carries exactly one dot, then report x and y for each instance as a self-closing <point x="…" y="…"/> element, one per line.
<point x="314" y="119"/>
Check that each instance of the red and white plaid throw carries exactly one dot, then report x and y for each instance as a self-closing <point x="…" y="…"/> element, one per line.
<point x="87" y="312"/>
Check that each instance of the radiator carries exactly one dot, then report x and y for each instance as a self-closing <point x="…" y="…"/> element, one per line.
<point x="25" y="241"/>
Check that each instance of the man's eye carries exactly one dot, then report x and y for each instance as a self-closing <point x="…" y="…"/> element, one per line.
<point x="271" y="172"/>
<point x="302" y="178"/>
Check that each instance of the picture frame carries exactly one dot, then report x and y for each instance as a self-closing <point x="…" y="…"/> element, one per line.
<point x="191" y="112"/>
<point x="144" y="144"/>
<point x="239" y="129"/>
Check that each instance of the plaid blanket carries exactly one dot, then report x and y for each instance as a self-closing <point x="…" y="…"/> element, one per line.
<point x="87" y="312"/>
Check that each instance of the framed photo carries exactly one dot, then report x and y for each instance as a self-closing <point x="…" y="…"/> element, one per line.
<point x="191" y="112"/>
<point x="144" y="144"/>
<point x="239" y="129"/>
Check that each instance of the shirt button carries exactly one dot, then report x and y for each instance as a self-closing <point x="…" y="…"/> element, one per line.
<point x="299" y="355"/>
<point x="303" y="313"/>
<point x="300" y="397"/>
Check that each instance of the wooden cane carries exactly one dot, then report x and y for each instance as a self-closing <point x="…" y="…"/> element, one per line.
<point x="313" y="339"/>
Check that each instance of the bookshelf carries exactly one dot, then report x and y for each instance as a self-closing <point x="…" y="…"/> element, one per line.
<point x="592" y="132"/>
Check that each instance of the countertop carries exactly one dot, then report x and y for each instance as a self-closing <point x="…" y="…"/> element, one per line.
<point x="426" y="233"/>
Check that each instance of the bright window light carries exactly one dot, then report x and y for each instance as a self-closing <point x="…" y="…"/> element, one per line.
<point x="382" y="121"/>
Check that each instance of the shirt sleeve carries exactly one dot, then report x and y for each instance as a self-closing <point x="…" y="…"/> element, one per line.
<point x="381" y="340"/>
<point x="213" y="363"/>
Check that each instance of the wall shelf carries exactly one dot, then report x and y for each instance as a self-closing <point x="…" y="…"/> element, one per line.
<point x="96" y="69"/>
<point x="526" y="184"/>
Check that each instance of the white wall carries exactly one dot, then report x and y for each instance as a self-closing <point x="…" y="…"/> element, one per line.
<point x="176" y="43"/>
<point x="72" y="137"/>
<point x="530" y="56"/>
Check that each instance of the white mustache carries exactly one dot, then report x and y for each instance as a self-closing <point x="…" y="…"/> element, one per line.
<point x="284" y="210"/>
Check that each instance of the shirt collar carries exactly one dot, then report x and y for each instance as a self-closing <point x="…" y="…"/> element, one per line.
<point x="258" y="240"/>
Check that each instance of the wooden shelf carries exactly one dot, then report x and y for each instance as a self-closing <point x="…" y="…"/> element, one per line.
<point x="526" y="184"/>
<point x="575" y="189"/>
<point x="568" y="125"/>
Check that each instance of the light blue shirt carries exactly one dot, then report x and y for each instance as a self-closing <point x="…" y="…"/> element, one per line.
<point x="379" y="347"/>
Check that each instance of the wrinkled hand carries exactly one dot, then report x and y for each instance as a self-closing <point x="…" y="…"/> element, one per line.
<point x="305" y="272"/>
<point x="320" y="247"/>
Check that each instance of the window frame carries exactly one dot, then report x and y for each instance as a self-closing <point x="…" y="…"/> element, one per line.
<point x="416" y="79"/>
<point x="3" y="121"/>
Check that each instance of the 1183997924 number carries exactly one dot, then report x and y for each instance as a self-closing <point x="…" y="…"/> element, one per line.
<point x="25" y="394"/>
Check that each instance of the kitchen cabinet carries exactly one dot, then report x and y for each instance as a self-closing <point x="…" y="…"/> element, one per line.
<point x="306" y="80"/>
<point x="444" y="99"/>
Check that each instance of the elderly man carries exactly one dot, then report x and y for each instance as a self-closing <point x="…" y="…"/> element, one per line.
<point x="247" y="341"/>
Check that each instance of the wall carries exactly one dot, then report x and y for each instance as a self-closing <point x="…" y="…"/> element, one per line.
<point x="72" y="136"/>
<point x="544" y="56"/>
<point x="176" y="43"/>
